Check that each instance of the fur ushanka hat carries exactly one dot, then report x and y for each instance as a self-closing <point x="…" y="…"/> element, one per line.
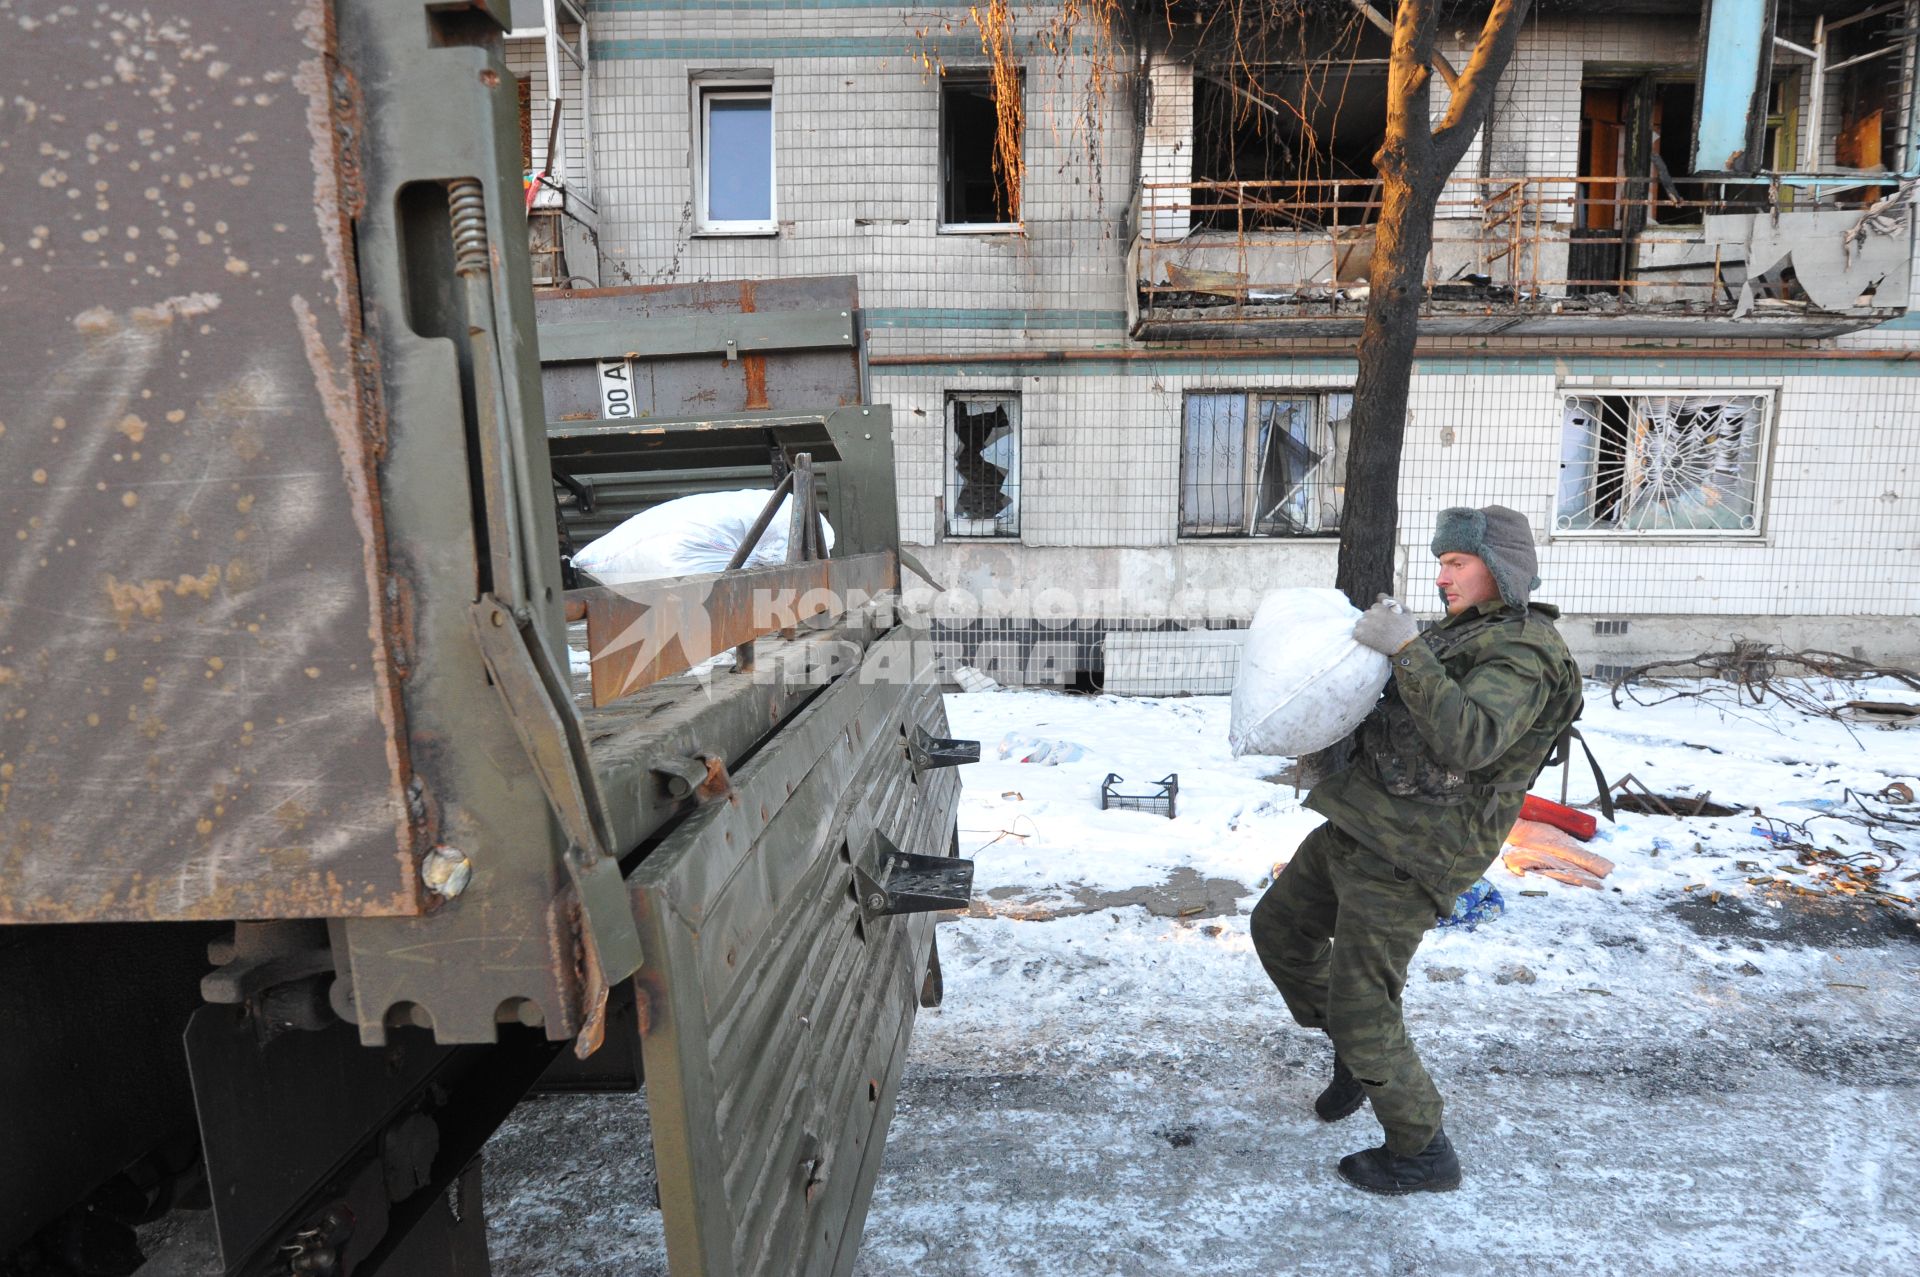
<point x="1501" y="538"/>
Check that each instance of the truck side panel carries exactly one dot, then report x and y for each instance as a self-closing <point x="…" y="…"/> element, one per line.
<point x="201" y="713"/>
<point x="773" y="1017"/>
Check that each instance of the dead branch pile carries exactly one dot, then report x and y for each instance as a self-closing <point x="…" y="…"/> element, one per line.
<point x="1753" y="671"/>
<point x="1830" y="863"/>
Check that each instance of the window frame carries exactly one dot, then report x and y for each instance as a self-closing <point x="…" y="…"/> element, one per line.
<point x="737" y="86"/>
<point x="1768" y="400"/>
<point x="955" y="526"/>
<point x="1189" y="529"/>
<point x="954" y="77"/>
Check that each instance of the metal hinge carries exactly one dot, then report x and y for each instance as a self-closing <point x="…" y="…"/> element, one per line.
<point x="541" y="710"/>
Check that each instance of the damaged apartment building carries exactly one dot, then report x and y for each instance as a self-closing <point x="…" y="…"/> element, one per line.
<point x="1110" y="283"/>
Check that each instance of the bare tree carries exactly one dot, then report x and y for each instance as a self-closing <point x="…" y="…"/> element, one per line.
<point x="1414" y="163"/>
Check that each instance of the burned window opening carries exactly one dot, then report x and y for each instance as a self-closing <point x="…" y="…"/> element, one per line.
<point x="1634" y="171"/>
<point x="1293" y="103"/>
<point x="983" y="465"/>
<point x="973" y="190"/>
<point x="1872" y="100"/>
<point x="1659" y="463"/>
<point x="1636" y="154"/>
<point x="1307" y="135"/>
<point x="1263" y="463"/>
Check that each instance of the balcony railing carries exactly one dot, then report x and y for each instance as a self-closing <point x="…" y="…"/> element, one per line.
<point x="1790" y="255"/>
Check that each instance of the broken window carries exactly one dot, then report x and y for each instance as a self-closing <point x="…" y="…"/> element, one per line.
<point x="1653" y="463"/>
<point x="1263" y="463"/>
<point x="1301" y="125"/>
<point x="1780" y="151"/>
<point x="983" y="465"/>
<point x="1636" y="153"/>
<point x="733" y="157"/>
<point x="1866" y="50"/>
<point x="979" y="187"/>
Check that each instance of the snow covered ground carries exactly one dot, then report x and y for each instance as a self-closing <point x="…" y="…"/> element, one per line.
<point x="1685" y="1073"/>
<point x="1645" y="1079"/>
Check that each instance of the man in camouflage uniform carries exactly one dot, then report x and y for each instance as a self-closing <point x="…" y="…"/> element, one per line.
<point x="1474" y="708"/>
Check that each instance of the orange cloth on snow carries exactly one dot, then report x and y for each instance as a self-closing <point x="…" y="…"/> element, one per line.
<point x="1534" y="847"/>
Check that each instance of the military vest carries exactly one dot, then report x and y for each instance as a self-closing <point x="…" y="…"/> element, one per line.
<point x="1401" y="757"/>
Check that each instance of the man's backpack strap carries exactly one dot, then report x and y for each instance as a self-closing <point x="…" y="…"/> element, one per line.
<point x="1562" y="755"/>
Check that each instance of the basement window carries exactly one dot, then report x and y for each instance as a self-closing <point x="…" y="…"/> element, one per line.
<point x="983" y="465"/>
<point x="979" y="179"/>
<point x="1263" y="463"/>
<point x="733" y="157"/>
<point x="1660" y="464"/>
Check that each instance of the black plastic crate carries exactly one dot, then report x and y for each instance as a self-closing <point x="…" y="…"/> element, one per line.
<point x="1160" y="802"/>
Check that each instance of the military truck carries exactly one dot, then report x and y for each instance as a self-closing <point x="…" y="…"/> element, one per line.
<point x="334" y="815"/>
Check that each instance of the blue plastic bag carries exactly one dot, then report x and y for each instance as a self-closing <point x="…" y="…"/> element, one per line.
<point x="1479" y="903"/>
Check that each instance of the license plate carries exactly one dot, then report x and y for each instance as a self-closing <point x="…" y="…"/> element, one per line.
<point x="616" y="389"/>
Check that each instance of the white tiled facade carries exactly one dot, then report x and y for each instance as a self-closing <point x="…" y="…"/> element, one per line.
<point x="856" y="136"/>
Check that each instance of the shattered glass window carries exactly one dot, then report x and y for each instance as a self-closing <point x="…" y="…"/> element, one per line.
<point x="1662" y="463"/>
<point x="983" y="465"/>
<point x="1263" y="464"/>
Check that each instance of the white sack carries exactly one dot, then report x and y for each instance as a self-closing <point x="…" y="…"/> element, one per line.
<point x="1303" y="682"/>
<point x="689" y="536"/>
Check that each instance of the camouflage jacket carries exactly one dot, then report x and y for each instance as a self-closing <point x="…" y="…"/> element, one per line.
<point x="1475" y="706"/>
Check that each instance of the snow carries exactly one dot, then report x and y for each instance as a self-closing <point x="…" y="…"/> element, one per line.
<point x="1631" y="1090"/>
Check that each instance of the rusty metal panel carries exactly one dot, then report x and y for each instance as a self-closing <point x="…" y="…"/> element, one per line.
<point x="197" y="675"/>
<point x="701" y="385"/>
<point x="774" y="1021"/>
<point x="439" y="144"/>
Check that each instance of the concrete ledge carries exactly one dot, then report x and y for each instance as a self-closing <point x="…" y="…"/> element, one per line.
<point x="1603" y="650"/>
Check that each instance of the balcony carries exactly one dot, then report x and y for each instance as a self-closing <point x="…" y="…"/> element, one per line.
<point x="1771" y="256"/>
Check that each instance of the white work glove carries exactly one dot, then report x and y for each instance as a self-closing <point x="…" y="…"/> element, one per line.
<point x="1385" y="627"/>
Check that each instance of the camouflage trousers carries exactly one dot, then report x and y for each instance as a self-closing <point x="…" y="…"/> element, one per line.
<point x="1335" y="932"/>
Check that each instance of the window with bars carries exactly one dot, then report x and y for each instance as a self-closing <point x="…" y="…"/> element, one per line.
<point x="983" y="465"/>
<point x="1660" y="464"/>
<point x="1263" y="463"/>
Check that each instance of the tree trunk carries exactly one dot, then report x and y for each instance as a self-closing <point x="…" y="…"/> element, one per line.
<point x="1414" y="163"/>
<point x="1369" y="525"/>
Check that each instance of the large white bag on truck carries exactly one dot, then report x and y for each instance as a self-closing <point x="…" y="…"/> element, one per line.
<point x="688" y="536"/>
<point x="1303" y="682"/>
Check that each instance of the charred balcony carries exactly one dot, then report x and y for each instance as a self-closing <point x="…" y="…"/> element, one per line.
<point x="1552" y="256"/>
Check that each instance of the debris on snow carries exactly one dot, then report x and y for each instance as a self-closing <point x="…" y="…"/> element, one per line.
<point x="1534" y="847"/>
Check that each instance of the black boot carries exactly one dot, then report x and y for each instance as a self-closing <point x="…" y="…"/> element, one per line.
<point x="1343" y="1096"/>
<point x="1434" y="1169"/>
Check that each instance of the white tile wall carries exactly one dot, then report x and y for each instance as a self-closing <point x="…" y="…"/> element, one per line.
<point x="1842" y="523"/>
<point x="857" y="164"/>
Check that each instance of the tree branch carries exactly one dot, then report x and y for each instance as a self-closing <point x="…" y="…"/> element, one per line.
<point x="1440" y="63"/>
<point x="1473" y="93"/>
